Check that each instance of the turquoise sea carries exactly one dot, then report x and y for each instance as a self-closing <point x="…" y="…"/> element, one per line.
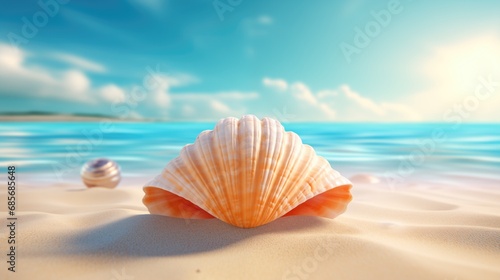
<point x="53" y="153"/>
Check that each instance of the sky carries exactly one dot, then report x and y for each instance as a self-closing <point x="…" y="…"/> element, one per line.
<point x="187" y="60"/>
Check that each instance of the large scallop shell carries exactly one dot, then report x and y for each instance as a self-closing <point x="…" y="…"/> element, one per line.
<point x="247" y="173"/>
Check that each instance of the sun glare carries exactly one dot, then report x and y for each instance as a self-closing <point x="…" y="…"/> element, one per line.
<point x="461" y="65"/>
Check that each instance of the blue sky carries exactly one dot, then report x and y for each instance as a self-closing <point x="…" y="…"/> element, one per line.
<point x="323" y="60"/>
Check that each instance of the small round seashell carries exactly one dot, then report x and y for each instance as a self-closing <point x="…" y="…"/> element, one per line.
<point x="101" y="172"/>
<point x="247" y="173"/>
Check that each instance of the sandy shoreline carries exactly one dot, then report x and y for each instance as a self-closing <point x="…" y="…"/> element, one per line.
<point x="418" y="232"/>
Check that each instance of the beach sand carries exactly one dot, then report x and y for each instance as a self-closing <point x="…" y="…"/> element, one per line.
<point x="410" y="232"/>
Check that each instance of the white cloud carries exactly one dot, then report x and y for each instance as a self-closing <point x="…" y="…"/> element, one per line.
<point x="296" y="102"/>
<point x="76" y="81"/>
<point x="160" y="93"/>
<point x="112" y="93"/>
<point x="363" y="102"/>
<point x="453" y="73"/>
<point x="10" y="57"/>
<point x="209" y="106"/>
<point x="19" y="79"/>
<point x="341" y="104"/>
<point x="291" y="102"/>
<point x="230" y="95"/>
<point x="161" y="85"/>
<point x="330" y="113"/>
<point x="80" y="62"/>
<point x="303" y="93"/>
<point x="219" y="106"/>
<point x="382" y="111"/>
<point x="327" y="93"/>
<point x="33" y="81"/>
<point x="276" y="84"/>
<point x="187" y="111"/>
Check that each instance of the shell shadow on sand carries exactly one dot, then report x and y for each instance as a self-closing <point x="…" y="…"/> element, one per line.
<point x="153" y="235"/>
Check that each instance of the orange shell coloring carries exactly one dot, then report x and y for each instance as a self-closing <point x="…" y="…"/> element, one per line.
<point x="247" y="173"/>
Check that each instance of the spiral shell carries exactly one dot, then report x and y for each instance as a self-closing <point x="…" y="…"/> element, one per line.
<point x="101" y="172"/>
<point x="247" y="173"/>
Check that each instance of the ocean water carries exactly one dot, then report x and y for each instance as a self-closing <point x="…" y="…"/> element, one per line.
<point x="53" y="153"/>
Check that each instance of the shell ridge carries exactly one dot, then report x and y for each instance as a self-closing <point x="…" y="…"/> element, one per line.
<point x="253" y="126"/>
<point x="286" y="193"/>
<point x="195" y="191"/>
<point x="205" y="167"/>
<point x="177" y="174"/>
<point x="191" y="174"/>
<point x="323" y="168"/>
<point x="261" y="167"/>
<point x="256" y="180"/>
<point x="173" y="181"/>
<point x="282" y="164"/>
<point x="224" y="178"/>
<point x="318" y="175"/>
<point x="293" y="190"/>
<point x="241" y="178"/>
<point x="274" y="152"/>
<point x="296" y="193"/>
<point x="232" y="148"/>
<point x="294" y="152"/>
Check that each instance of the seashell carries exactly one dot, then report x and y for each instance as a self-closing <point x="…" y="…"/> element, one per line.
<point x="365" y="179"/>
<point x="101" y="172"/>
<point x="247" y="173"/>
